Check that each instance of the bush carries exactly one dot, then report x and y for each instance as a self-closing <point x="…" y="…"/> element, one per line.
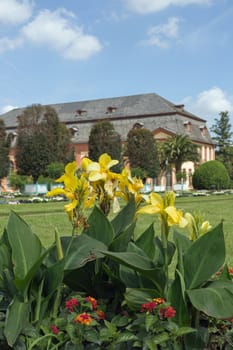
<point x="211" y="175"/>
<point x="19" y="181"/>
<point x="55" y="170"/>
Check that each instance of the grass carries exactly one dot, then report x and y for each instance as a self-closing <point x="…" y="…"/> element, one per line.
<point x="44" y="217"/>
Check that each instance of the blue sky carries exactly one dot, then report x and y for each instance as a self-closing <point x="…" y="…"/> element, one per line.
<point x="61" y="51"/>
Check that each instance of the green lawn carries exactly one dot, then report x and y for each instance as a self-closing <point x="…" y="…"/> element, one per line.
<point x="44" y="217"/>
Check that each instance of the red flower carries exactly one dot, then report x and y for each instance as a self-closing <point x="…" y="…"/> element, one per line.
<point x="101" y="314"/>
<point x="84" y="319"/>
<point x="54" y="329"/>
<point x="71" y="303"/>
<point x="148" y="307"/>
<point x="230" y="271"/>
<point x="93" y="301"/>
<point x="167" y="312"/>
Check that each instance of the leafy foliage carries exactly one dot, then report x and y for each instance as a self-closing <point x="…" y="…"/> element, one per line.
<point x="211" y="175"/>
<point x="222" y="135"/>
<point x="42" y="139"/>
<point x="179" y="149"/>
<point x="103" y="138"/>
<point x="141" y="151"/>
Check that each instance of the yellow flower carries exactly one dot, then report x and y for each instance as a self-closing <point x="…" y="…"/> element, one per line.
<point x="129" y="185"/>
<point x="164" y="206"/>
<point x="196" y="226"/>
<point x="76" y="189"/>
<point x="99" y="170"/>
<point x="70" y="181"/>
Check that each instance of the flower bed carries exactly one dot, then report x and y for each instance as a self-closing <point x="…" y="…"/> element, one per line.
<point x="101" y="288"/>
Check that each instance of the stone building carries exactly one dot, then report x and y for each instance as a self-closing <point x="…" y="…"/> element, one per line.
<point x="160" y="116"/>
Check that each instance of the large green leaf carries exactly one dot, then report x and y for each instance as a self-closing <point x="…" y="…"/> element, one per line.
<point x="26" y="246"/>
<point x="120" y="242"/>
<point x="99" y="227"/>
<point x="135" y="297"/>
<point x="146" y="241"/>
<point x="216" y="300"/>
<point x="204" y="258"/>
<point x="177" y="298"/>
<point x="182" y="244"/>
<point x="16" y="317"/>
<point x="140" y="263"/>
<point x="124" y="217"/>
<point x="80" y="250"/>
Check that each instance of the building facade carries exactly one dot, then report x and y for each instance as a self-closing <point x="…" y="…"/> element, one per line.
<point x="151" y="111"/>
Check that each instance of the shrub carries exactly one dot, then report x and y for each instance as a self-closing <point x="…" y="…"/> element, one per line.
<point x="211" y="175"/>
<point x="18" y="181"/>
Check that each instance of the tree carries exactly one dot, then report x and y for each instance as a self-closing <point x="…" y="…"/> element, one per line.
<point x="42" y="139"/>
<point x="4" y="151"/>
<point x="179" y="149"/>
<point x="104" y="139"/>
<point x="211" y="175"/>
<point x="141" y="151"/>
<point x="222" y="135"/>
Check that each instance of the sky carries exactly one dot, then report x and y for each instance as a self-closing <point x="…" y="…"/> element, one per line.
<point x="54" y="51"/>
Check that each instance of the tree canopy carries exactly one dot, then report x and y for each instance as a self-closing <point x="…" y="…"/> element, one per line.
<point x="222" y="135"/>
<point x="179" y="149"/>
<point x="141" y="151"/>
<point x="103" y="138"/>
<point x="42" y="139"/>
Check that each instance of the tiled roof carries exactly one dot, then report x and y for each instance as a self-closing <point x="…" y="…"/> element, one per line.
<point x="150" y="109"/>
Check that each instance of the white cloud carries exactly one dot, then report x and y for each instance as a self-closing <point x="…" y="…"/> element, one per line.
<point x="161" y="35"/>
<point x="6" y="109"/>
<point x="10" y="44"/>
<point x="55" y="30"/>
<point x="149" y="6"/>
<point x="209" y="103"/>
<point x="15" y="11"/>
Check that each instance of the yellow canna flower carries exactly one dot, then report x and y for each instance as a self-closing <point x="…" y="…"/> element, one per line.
<point x="70" y="185"/>
<point x="78" y="190"/>
<point x="164" y="206"/>
<point x="99" y="170"/>
<point x="129" y="185"/>
<point x="196" y="226"/>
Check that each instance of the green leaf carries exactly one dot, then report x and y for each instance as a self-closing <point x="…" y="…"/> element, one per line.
<point x="120" y="242"/>
<point x="197" y="340"/>
<point x="146" y="242"/>
<point x="125" y="337"/>
<point x="216" y="300"/>
<point x="157" y="340"/>
<point x="141" y="264"/>
<point x="99" y="227"/>
<point x="16" y="317"/>
<point x="124" y="217"/>
<point x="131" y="259"/>
<point x="80" y="250"/>
<point x="182" y="244"/>
<point x="26" y="246"/>
<point x="136" y="297"/>
<point x="204" y="257"/>
<point x="150" y="320"/>
<point x="178" y="300"/>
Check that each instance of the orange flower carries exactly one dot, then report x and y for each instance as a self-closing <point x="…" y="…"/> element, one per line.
<point x="230" y="271"/>
<point x="83" y="318"/>
<point x="101" y="314"/>
<point x="93" y="301"/>
<point x="159" y="301"/>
